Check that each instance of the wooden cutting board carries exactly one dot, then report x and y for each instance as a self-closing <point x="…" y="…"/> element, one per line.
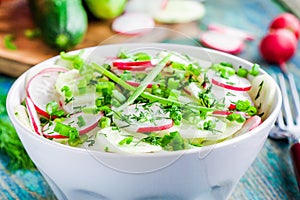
<point x="15" y="18"/>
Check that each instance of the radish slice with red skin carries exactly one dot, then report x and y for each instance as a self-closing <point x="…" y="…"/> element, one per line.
<point x="225" y="113"/>
<point x="249" y="125"/>
<point x="238" y="33"/>
<point x="132" y="65"/>
<point x="40" y="89"/>
<point x="33" y="116"/>
<point x="53" y="69"/>
<point x="134" y="111"/>
<point x="222" y="42"/>
<point x="133" y="24"/>
<point x="233" y="82"/>
<point x="125" y="63"/>
<point x="230" y="87"/>
<point x="168" y="123"/>
<point x="90" y="120"/>
<point x="252" y="123"/>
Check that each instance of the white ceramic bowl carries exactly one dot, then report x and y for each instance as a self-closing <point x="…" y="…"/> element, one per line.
<point x="209" y="172"/>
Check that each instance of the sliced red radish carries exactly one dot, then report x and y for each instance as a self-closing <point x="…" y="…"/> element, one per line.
<point x="132" y="65"/>
<point x="225" y="113"/>
<point x="230" y="87"/>
<point x="222" y="42"/>
<point x="40" y="89"/>
<point x="233" y="82"/>
<point x="53" y="69"/>
<point x="238" y="33"/>
<point x="33" y="116"/>
<point x="133" y="24"/>
<point x="229" y="97"/>
<point x="178" y="11"/>
<point x="90" y="122"/>
<point x="154" y="119"/>
<point x="250" y="124"/>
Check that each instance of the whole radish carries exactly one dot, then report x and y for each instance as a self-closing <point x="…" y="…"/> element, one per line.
<point x="286" y="21"/>
<point x="278" y="46"/>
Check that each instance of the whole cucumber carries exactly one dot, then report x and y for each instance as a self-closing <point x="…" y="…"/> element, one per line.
<point x="63" y="23"/>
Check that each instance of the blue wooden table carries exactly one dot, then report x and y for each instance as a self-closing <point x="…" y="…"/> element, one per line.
<point x="269" y="177"/>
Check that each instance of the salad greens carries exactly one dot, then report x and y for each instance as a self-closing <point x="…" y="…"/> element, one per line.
<point x="142" y="102"/>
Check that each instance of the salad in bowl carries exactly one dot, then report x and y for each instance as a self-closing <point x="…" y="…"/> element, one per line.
<point x="132" y="117"/>
<point x="143" y="101"/>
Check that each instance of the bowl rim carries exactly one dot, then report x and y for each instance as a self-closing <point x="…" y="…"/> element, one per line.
<point x="222" y="144"/>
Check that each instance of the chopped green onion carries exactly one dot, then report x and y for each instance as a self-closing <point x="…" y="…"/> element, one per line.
<point x="155" y="89"/>
<point x="9" y="42"/>
<point x="126" y="140"/>
<point x="141" y="56"/>
<point x="173" y="83"/>
<point x="173" y="141"/>
<point x="254" y="70"/>
<point x="193" y="69"/>
<point x="242" y="105"/>
<point x="177" y="65"/>
<point x="67" y="92"/>
<point x="251" y="110"/>
<point x="149" y="78"/>
<point x="224" y="70"/>
<point x="209" y="125"/>
<point x="104" y="122"/>
<point x="78" y="140"/>
<point x="153" y="140"/>
<point x="126" y="75"/>
<point x="105" y="86"/>
<point x="66" y="130"/>
<point x="51" y="107"/>
<point x="242" y="72"/>
<point x="77" y="61"/>
<point x="176" y="116"/>
<point x="122" y="54"/>
<point x="236" y="117"/>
